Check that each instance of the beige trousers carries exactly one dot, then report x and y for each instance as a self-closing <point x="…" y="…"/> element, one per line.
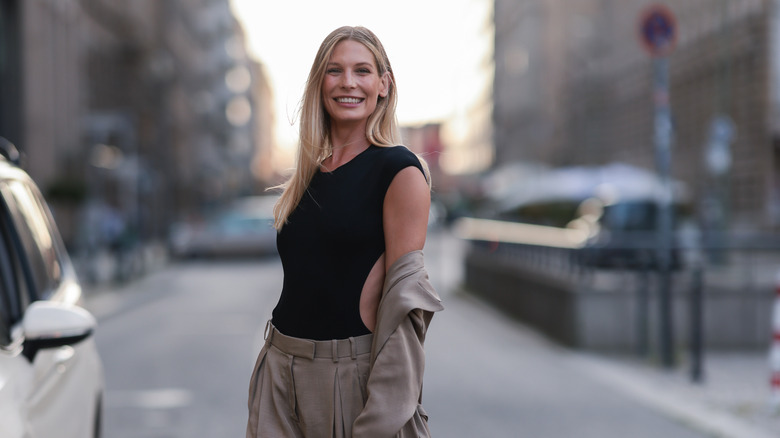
<point x="307" y="389"/>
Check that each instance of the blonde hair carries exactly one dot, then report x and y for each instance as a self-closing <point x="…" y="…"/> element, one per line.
<point x="314" y="137"/>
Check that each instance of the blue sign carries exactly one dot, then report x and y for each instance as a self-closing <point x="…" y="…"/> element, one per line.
<point x="658" y="30"/>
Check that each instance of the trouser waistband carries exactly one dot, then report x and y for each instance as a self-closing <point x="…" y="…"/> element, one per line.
<point x="333" y="349"/>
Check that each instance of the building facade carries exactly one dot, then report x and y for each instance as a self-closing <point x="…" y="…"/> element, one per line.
<point x="573" y="86"/>
<point x="150" y="108"/>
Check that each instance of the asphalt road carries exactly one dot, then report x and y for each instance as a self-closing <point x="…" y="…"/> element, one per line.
<point x="179" y="345"/>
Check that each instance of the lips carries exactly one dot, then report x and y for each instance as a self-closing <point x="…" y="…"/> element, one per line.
<point x="349" y="100"/>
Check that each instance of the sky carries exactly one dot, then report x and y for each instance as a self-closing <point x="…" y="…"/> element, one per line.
<point x="437" y="49"/>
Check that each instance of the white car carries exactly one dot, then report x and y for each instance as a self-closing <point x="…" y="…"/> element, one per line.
<point x="51" y="378"/>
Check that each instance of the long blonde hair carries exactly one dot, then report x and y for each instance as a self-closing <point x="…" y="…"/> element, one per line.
<point x="314" y="138"/>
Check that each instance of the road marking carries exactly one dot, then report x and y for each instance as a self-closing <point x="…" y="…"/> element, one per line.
<point x="161" y="398"/>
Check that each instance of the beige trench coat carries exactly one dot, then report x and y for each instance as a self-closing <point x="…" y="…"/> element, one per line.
<point x="393" y="407"/>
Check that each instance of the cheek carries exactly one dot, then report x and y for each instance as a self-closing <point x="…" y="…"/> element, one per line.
<point x="325" y="87"/>
<point x="375" y="87"/>
<point x="325" y="91"/>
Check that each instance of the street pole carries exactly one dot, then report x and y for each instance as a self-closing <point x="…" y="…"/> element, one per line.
<point x="697" y="324"/>
<point x="663" y="153"/>
<point x="658" y="33"/>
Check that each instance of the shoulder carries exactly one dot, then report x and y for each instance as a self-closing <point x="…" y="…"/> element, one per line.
<point x="405" y="213"/>
<point x="393" y="159"/>
<point x="398" y="155"/>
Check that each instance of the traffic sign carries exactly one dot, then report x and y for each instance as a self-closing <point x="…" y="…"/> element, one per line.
<point x="658" y="30"/>
<point x="718" y="154"/>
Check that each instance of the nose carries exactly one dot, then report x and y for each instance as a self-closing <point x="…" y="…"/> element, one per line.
<point x="348" y="80"/>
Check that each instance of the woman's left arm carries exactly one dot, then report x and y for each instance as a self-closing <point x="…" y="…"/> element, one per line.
<point x="395" y="380"/>
<point x="406" y="207"/>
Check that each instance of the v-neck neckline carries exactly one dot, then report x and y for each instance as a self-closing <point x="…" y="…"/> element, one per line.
<point x="322" y="169"/>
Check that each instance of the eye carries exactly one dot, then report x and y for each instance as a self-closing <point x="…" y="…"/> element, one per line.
<point x="333" y="70"/>
<point x="364" y="70"/>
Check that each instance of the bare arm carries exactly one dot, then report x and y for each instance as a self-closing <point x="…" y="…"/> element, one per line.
<point x="395" y="380"/>
<point x="405" y="216"/>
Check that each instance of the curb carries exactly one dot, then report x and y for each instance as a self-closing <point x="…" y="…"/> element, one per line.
<point x="696" y="415"/>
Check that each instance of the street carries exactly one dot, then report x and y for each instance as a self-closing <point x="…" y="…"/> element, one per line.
<point x="178" y="348"/>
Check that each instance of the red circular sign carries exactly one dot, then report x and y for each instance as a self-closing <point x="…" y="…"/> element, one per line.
<point x="658" y="30"/>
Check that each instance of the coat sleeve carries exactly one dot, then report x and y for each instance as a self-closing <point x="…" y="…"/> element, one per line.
<point x="395" y="382"/>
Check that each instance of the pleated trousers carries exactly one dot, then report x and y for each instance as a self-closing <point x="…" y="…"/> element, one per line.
<point x="302" y="388"/>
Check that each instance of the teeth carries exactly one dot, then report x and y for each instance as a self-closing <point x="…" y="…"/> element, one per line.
<point x="349" y="100"/>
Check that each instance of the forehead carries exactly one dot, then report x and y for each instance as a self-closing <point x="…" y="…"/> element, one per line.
<point x="351" y="51"/>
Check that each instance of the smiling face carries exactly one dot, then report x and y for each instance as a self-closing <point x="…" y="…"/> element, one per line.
<point x="352" y="84"/>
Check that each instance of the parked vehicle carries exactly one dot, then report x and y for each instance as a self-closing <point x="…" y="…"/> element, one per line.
<point x="244" y="228"/>
<point x="51" y="377"/>
<point x="617" y="206"/>
<point x="627" y="237"/>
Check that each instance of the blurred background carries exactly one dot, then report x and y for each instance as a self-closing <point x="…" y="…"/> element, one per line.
<point x="611" y="192"/>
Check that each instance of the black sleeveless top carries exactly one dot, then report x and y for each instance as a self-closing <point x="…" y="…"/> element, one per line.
<point x="331" y="241"/>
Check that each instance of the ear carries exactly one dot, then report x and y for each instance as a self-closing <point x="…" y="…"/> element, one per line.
<point x="385" y="89"/>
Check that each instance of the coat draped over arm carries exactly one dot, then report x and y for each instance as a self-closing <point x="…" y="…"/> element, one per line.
<point x="393" y="407"/>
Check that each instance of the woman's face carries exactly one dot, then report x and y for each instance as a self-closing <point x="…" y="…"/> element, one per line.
<point x="352" y="83"/>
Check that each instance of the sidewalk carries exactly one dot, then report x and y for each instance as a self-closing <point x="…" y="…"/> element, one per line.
<point x="731" y="402"/>
<point x="100" y="284"/>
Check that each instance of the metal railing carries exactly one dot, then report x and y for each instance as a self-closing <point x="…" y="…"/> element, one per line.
<point x="740" y="268"/>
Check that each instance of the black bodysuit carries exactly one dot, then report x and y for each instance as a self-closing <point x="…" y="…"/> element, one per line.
<point x="331" y="241"/>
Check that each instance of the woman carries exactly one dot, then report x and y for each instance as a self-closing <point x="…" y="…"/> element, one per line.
<point x="343" y="355"/>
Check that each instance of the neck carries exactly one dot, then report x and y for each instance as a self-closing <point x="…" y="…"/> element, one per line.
<point x="347" y="143"/>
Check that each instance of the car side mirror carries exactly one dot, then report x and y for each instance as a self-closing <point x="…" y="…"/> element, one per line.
<point x="49" y="324"/>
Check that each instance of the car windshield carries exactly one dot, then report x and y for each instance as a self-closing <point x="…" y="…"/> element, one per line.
<point x="630" y="216"/>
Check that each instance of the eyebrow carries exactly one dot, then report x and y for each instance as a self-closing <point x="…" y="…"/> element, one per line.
<point x="359" y="64"/>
